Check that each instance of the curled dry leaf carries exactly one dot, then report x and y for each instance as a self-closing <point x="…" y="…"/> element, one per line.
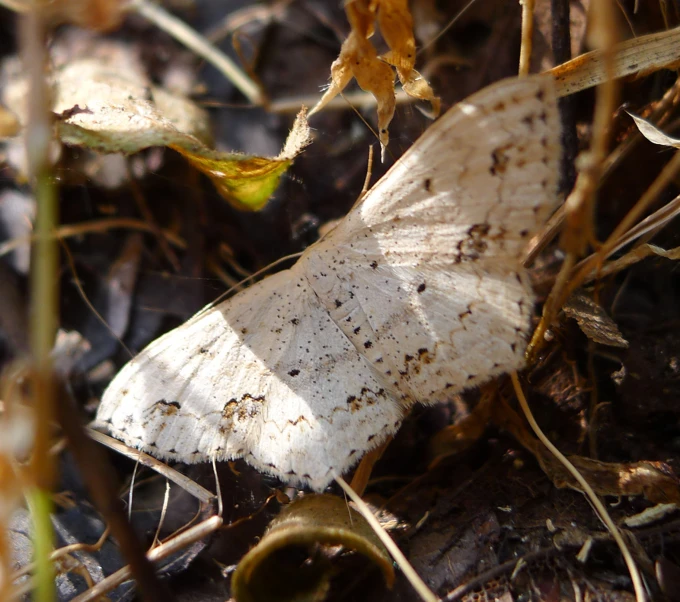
<point x="246" y="181"/>
<point x="593" y="320"/>
<point x="111" y="111"/>
<point x="310" y="522"/>
<point x="654" y="134"/>
<point x="359" y="59"/>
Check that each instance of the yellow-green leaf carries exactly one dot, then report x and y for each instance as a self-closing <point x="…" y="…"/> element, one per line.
<point x="113" y="108"/>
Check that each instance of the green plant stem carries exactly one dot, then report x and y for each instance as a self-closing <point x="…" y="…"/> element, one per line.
<point x="43" y="305"/>
<point x="40" y="505"/>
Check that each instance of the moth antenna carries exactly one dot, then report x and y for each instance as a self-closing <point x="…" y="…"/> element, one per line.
<point x="368" y="125"/>
<point x="448" y="26"/>
<point x="247" y="279"/>
<point x="369" y="172"/>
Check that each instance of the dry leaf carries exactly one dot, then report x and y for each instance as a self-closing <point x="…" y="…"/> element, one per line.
<point x="315" y="523"/>
<point x="654" y="134"/>
<point x="109" y="110"/>
<point x="359" y="59"/>
<point x="593" y="320"/>
<point x="656" y="481"/>
<point x="246" y="181"/>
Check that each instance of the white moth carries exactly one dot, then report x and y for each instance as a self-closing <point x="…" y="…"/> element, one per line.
<point x="417" y="294"/>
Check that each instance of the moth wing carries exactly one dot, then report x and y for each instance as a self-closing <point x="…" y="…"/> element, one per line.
<point x="266" y="376"/>
<point x="484" y="175"/>
<point x="425" y="273"/>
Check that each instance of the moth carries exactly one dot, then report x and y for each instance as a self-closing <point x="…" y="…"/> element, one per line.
<point x="417" y="294"/>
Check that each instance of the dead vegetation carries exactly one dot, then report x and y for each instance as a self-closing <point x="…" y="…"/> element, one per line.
<point x="478" y="505"/>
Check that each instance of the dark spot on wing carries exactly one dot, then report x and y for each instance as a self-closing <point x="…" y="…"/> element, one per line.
<point x="499" y="160"/>
<point x="421" y="287"/>
<point x="474" y="245"/>
<point x="174" y="404"/>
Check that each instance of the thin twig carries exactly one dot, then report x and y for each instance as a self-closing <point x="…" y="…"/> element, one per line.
<point x="90" y="227"/>
<point x="83" y="296"/>
<point x="169" y="548"/>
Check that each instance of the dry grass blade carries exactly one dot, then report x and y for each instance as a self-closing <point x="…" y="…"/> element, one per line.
<point x="573" y="275"/>
<point x="646" y="228"/>
<point x="578" y="230"/>
<point x="631" y="258"/>
<point x="604" y="516"/>
<point x="664" y="179"/>
<point x="202" y="47"/>
<point x="645" y="54"/>
<point x="659" y="115"/>
<point x="190" y="486"/>
<point x="418" y="584"/>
